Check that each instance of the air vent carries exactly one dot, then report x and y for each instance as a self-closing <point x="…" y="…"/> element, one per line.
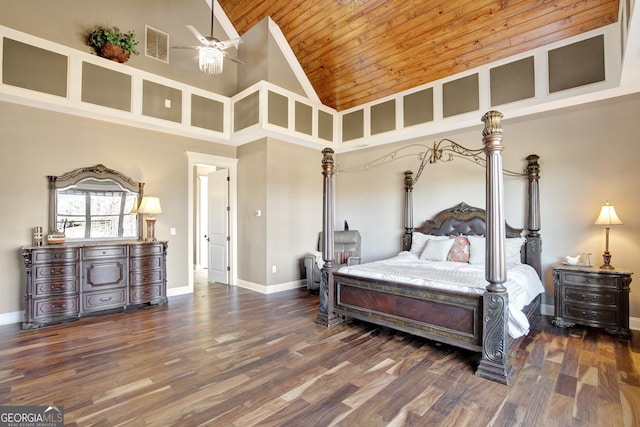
<point x="156" y="44"/>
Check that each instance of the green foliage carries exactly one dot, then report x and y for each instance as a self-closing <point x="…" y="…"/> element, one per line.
<point x="105" y="35"/>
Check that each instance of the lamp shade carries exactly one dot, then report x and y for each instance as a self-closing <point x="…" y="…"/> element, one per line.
<point x="608" y="216"/>
<point x="150" y="205"/>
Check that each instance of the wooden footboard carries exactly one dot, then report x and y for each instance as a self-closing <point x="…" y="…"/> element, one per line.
<point x="449" y="317"/>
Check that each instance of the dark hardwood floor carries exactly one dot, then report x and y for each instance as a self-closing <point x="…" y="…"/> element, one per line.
<point x="232" y="357"/>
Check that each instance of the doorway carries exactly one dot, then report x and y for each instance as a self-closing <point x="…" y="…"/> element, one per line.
<point x="225" y="251"/>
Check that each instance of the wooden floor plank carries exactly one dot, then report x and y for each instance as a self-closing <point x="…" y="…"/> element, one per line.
<point x="230" y="356"/>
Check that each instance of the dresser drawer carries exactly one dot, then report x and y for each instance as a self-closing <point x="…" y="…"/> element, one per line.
<point x="104" y="274"/>
<point x="144" y="249"/>
<point x="588" y="315"/>
<point x="587" y="295"/>
<point x="56" y="307"/>
<point x="582" y="279"/>
<point x="52" y="271"/>
<point x="101" y="252"/>
<point x="57" y="287"/>
<point x="40" y="256"/>
<point x="146" y="263"/>
<point x="96" y="301"/>
<point x="143" y="294"/>
<point x="147" y="277"/>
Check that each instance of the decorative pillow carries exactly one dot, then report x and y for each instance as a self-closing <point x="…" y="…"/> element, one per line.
<point x="419" y="240"/>
<point x="459" y="250"/>
<point x="476" y="249"/>
<point x="342" y="257"/>
<point x="512" y="249"/>
<point x="436" y="249"/>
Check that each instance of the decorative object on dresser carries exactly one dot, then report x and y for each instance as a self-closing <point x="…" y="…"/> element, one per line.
<point x="607" y="217"/>
<point x="65" y="282"/>
<point x="592" y="296"/>
<point x="150" y="206"/>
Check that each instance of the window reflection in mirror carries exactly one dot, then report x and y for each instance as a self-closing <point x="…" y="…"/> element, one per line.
<point x="95" y="209"/>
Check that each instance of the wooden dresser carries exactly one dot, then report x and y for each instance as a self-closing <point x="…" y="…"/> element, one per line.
<point x="592" y="296"/>
<point x="64" y="282"/>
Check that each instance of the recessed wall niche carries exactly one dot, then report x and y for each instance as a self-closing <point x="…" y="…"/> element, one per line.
<point x="278" y="107"/>
<point x="383" y="117"/>
<point x="246" y="111"/>
<point x="33" y="68"/>
<point x="513" y="81"/>
<point x="154" y="101"/>
<point x="207" y="113"/>
<point x="460" y="96"/>
<point x="577" y="64"/>
<point x="325" y="125"/>
<point x="304" y="118"/>
<point x="102" y="86"/>
<point x="353" y="125"/>
<point x="418" y="107"/>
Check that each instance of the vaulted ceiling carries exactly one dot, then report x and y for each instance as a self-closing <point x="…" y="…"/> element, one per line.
<point x="356" y="51"/>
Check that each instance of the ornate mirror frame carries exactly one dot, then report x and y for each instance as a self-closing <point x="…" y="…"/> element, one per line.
<point x="98" y="172"/>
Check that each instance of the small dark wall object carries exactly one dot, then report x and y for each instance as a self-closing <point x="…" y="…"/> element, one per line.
<point x="346" y="225"/>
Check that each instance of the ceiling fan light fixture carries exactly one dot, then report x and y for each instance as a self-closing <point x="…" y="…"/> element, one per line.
<point x="210" y="60"/>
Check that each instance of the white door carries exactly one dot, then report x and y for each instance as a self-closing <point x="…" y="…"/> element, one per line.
<point x="219" y="227"/>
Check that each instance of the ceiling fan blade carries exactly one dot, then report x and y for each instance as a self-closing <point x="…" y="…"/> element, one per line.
<point x="233" y="58"/>
<point x="233" y="42"/>
<point x="197" y="34"/>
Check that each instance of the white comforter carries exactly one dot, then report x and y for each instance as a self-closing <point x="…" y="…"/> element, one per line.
<point x="523" y="284"/>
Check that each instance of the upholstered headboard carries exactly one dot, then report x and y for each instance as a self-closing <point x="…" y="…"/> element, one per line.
<point x="462" y="219"/>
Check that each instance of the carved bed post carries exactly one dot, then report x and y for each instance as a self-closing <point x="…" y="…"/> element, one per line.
<point x="495" y="363"/>
<point x="326" y="315"/>
<point x="533" y="248"/>
<point x="408" y="210"/>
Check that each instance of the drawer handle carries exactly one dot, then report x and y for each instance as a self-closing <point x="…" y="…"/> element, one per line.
<point x="56" y="256"/>
<point x="55" y="307"/>
<point x="106" y="299"/>
<point x="104" y="252"/>
<point x="589" y="314"/>
<point x="589" y="297"/>
<point x="54" y="272"/>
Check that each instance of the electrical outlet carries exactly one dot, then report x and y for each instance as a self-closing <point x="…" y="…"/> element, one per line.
<point x="172" y="231"/>
<point x="167" y="103"/>
<point x="274" y="269"/>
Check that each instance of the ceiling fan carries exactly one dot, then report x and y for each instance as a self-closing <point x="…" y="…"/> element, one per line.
<point x="212" y="51"/>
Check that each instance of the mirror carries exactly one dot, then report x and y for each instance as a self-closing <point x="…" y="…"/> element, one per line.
<point x="95" y="203"/>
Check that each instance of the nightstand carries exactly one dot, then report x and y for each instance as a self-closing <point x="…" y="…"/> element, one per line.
<point x="592" y="296"/>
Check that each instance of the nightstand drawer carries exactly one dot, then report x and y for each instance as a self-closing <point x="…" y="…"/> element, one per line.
<point x="582" y="279"/>
<point x="582" y="295"/>
<point x="589" y="315"/>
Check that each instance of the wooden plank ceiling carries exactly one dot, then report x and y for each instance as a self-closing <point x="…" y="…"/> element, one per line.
<point x="357" y="51"/>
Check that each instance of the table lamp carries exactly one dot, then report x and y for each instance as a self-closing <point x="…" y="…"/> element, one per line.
<point x="607" y="217"/>
<point x="150" y="206"/>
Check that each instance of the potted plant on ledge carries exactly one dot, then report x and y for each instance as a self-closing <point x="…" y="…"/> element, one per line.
<point x="111" y="43"/>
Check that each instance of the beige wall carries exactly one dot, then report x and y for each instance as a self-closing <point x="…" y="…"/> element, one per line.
<point x="588" y="155"/>
<point x="37" y="143"/>
<point x="283" y="181"/>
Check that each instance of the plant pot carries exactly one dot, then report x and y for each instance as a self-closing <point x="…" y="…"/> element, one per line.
<point x="114" y="53"/>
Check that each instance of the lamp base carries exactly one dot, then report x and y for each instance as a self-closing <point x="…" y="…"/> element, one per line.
<point x="151" y="230"/>
<point x="606" y="257"/>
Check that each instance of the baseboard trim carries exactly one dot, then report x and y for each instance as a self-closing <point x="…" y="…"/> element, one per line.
<point x="183" y="290"/>
<point x="12" y="317"/>
<point x="272" y="289"/>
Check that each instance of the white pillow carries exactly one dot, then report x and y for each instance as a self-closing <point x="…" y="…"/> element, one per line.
<point x="512" y="249"/>
<point x="419" y="240"/>
<point x="477" y="249"/>
<point x="437" y="249"/>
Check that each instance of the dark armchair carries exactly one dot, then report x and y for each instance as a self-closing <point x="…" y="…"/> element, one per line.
<point x="346" y="246"/>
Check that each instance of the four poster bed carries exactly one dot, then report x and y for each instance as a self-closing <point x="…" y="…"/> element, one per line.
<point x="472" y="303"/>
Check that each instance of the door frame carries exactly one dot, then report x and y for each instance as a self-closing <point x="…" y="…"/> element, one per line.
<point x="231" y="164"/>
